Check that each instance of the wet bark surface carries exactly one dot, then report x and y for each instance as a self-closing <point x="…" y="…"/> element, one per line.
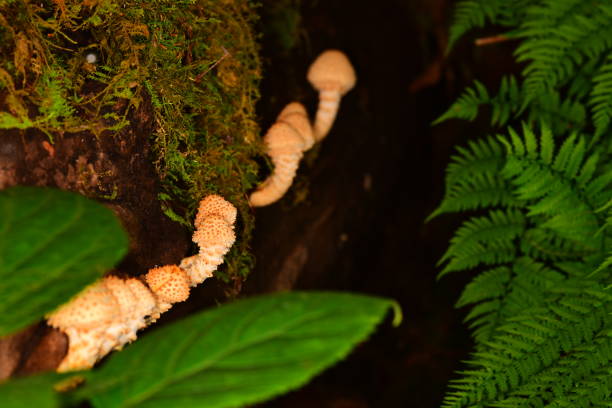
<point x="354" y="220"/>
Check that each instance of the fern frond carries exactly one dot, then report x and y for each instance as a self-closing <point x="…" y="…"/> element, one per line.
<point x="601" y="98"/>
<point x="471" y="14"/>
<point x="566" y="334"/>
<point x="473" y="180"/>
<point x="484" y="156"/>
<point x="482" y="191"/>
<point x="560" y="36"/>
<point x="466" y="107"/>
<point x="581" y="380"/>
<point x="560" y="191"/>
<point x="524" y="289"/>
<point x="485" y="239"/>
<point x="546" y="245"/>
<point x="490" y="253"/>
<point x="489" y="284"/>
<point x="511" y="101"/>
<point x="541" y="311"/>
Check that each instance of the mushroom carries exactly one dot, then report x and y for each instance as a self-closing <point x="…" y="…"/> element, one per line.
<point x="215" y="204"/>
<point x="295" y="115"/>
<point x="103" y="317"/>
<point x="84" y="320"/>
<point x="285" y="147"/>
<point x="333" y="76"/>
<point x="214" y="235"/>
<point x="169" y="284"/>
<point x="107" y="314"/>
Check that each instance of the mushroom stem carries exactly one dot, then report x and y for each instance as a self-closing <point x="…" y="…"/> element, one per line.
<point x="285" y="146"/>
<point x="277" y="184"/>
<point x="329" y="102"/>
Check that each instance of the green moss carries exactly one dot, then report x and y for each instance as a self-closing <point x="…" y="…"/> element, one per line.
<point x="195" y="62"/>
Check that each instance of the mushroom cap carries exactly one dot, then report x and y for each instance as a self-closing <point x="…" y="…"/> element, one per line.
<point x="169" y="283"/>
<point x="146" y="300"/>
<point x="217" y="205"/>
<point x="281" y="137"/>
<point x="122" y="293"/>
<point x="95" y="306"/>
<point x="214" y="230"/>
<point x="291" y="108"/>
<point x="332" y="70"/>
<point x="295" y="115"/>
<point x="134" y="298"/>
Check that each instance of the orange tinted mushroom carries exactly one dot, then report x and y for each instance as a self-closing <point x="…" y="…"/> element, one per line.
<point x="284" y="146"/>
<point x="333" y="76"/>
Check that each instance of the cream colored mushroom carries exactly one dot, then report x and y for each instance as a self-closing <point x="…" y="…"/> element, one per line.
<point x="333" y="76"/>
<point x="215" y="204"/>
<point x="84" y="320"/>
<point x="285" y="147"/>
<point x="214" y="235"/>
<point x="169" y="284"/>
<point x="107" y="314"/>
<point x="295" y="115"/>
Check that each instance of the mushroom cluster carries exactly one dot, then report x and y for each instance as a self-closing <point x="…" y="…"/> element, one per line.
<point x="107" y="314"/>
<point x="286" y="141"/>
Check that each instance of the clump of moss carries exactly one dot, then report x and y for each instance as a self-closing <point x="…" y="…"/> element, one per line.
<point x="70" y="66"/>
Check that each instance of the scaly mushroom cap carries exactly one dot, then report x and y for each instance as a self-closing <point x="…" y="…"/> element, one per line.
<point x="122" y="293"/>
<point x="169" y="283"/>
<point x="295" y="115"/>
<point x="332" y="70"/>
<point x="146" y="300"/>
<point x="134" y="299"/>
<point x="291" y="108"/>
<point x="214" y="230"/>
<point x="93" y="307"/>
<point x="217" y="205"/>
<point x="282" y="138"/>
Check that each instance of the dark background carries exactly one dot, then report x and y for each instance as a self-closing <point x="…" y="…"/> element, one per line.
<point x="355" y="220"/>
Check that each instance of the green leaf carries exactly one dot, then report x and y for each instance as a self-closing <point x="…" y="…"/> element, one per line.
<point x="52" y="244"/>
<point x="237" y="354"/>
<point x="36" y="392"/>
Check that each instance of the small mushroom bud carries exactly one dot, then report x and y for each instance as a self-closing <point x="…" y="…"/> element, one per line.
<point x="333" y="76"/>
<point x="170" y="284"/>
<point x="217" y="205"/>
<point x="285" y="147"/>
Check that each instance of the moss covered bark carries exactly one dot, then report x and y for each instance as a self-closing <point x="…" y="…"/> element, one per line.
<point x="189" y="70"/>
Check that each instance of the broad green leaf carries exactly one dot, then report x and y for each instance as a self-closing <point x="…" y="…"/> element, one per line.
<point x="52" y="244"/>
<point x="237" y="354"/>
<point x="34" y="392"/>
